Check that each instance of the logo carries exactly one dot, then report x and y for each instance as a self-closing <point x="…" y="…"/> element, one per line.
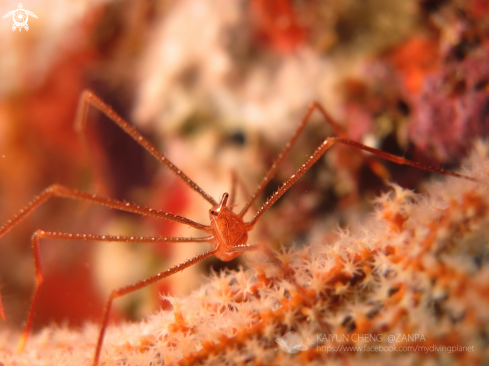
<point x="20" y="17"/>
<point x="291" y="342"/>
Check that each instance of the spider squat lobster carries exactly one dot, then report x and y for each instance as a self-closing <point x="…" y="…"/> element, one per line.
<point x="227" y="232"/>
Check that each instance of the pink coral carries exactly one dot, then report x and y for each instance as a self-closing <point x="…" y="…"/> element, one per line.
<point x="452" y="107"/>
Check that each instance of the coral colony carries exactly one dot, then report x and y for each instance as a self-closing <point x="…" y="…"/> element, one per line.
<point x="408" y="286"/>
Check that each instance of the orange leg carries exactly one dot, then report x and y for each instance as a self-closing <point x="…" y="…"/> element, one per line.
<point x="57" y="190"/>
<point x="61" y="191"/>
<point x="285" y="152"/>
<point x="375" y="166"/>
<point x="89" y="98"/>
<point x="139" y="285"/>
<point x="325" y="146"/>
<point x="84" y="237"/>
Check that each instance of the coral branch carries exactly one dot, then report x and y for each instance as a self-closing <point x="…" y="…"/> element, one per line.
<point x="413" y="283"/>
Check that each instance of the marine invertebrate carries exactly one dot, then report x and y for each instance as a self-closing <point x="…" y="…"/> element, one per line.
<point x="418" y="292"/>
<point x="227" y="232"/>
<point x="271" y="89"/>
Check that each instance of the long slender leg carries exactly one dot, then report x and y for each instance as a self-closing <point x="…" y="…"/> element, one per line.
<point x="330" y="141"/>
<point x="139" y="285"/>
<point x="89" y="98"/>
<point x="273" y="169"/>
<point x="40" y="234"/>
<point x="398" y="159"/>
<point x="57" y="190"/>
<point x="97" y="158"/>
<point x="236" y="181"/>
<point x="376" y="167"/>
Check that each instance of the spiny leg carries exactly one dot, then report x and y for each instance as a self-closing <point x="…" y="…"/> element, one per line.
<point x="273" y="169"/>
<point x="139" y="285"/>
<point x="57" y="190"/>
<point x="375" y="166"/>
<point x="61" y="191"/>
<point x="89" y="98"/>
<point x="325" y="146"/>
<point x="40" y="234"/>
<point x="398" y="159"/>
<point x="330" y="141"/>
<point x="97" y="158"/>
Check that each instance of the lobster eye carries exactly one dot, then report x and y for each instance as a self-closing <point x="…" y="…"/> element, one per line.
<point x="212" y="212"/>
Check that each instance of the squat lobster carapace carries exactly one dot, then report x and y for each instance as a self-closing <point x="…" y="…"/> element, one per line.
<point x="227" y="232"/>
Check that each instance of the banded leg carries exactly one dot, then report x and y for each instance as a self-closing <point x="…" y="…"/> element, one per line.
<point x="325" y="146"/>
<point x="139" y="285"/>
<point x="40" y="234"/>
<point x="57" y="190"/>
<point x="88" y="98"/>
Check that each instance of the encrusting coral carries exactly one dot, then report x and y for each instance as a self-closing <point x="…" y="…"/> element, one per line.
<point x="411" y="286"/>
